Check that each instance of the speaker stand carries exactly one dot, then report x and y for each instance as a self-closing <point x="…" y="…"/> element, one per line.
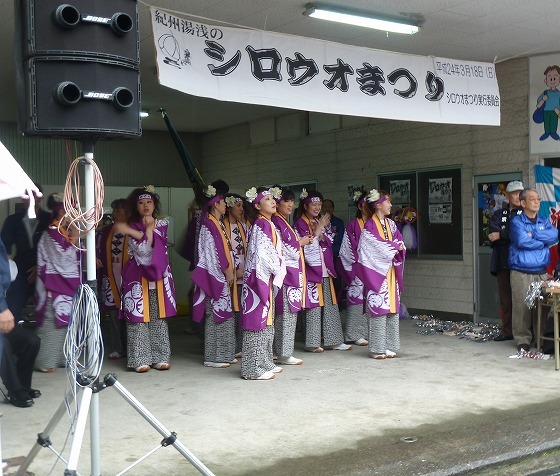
<point x="110" y="380"/>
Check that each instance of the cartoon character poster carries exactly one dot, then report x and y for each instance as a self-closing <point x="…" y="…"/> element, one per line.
<point x="544" y="103"/>
<point x="491" y="197"/>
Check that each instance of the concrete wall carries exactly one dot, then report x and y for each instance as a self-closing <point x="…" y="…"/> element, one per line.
<point x="358" y="154"/>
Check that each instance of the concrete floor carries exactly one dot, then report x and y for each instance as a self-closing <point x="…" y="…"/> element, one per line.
<point x="339" y="413"/>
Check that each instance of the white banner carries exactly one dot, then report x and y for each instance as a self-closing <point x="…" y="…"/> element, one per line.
<point x="272" y="69"/>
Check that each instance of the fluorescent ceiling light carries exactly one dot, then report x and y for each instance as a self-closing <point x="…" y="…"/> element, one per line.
<point x="350" y="17"/>
<point x="144" y="113"/>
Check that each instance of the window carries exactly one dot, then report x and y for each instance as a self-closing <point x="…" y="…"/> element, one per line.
<point x="428" y="210"/>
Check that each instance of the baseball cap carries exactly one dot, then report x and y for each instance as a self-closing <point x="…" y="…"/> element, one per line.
<point x="514" y="185"/>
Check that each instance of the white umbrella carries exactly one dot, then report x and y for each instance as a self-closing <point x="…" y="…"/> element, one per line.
<point x="14" y="182"/>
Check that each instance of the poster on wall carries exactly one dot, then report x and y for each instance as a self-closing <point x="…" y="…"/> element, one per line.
<point x="440" y="213"/>
<point x="544" y="103"/>
<point x="440" y="200"/>
<point x="441" y="190"/>
<point x="353" y="188"/>
<point x="491" y="197"/>
<point x="400" y="192"/>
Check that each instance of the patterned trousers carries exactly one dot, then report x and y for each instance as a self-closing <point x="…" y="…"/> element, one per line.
<point x="356" y="323"/>
<point x="148" y="342"/>
<point x="330" y="317"/>
<point x="384" y="333"/>
<point x="51" y="352"/>
<point x="285" y="329"/>
<point x="257" y="352"/>
<point x="219" y="338"/>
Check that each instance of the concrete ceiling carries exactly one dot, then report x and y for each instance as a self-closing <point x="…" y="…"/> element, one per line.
<point x="477" y="30"/>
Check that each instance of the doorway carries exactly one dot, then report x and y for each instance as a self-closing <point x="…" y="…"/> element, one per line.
<point x="489" y="196"/>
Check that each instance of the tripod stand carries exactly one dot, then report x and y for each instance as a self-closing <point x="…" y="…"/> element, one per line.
<point x="110" y="380"/>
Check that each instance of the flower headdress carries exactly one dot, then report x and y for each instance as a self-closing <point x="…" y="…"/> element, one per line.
<point x="373" y="196"/>
<point x="149" y="192"/>
<point x="232" y="200"/>
<point x="210" y="191"/>
<point x="57" y="197"/>
<point x="212" y="195"/>
<point x="304" y="196"/>
<point x="409" y="215"/>
<point x="251" y="194"/>
<point x="255" y="197"/>
<point x="276" y="193"/>
<point x="357" y="195"/>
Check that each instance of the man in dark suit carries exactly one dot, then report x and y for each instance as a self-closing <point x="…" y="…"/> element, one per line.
<point x="20" y="399"/>
<point x="21" y="345"/>
<point x="6" y="316"/>
<point x="23" y="233"/>
<point x="499" y="265"/>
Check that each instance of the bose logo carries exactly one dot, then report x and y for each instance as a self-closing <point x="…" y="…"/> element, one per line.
<point x="94" y="95"/>
<point x="95" y="19"/>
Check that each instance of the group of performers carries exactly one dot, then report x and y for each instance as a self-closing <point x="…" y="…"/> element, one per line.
<point x="254" y="271"/>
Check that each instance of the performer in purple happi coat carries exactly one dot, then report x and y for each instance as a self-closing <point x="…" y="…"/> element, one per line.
<point x="291" y="298"/>
<point x="381" y="254"/>
<point x="356" y="321"/>
<point x="58" y="278"/>
<point x="264" y="275"/>
<point x="148" y="292"/>
<point x="235" y="223"/>
<point x="321" y="305"/>
<point x="214" y="279"/>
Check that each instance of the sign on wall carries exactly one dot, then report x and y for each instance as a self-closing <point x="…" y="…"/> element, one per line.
<point x="544" y="103"/>
<point x="440" y="199"/>
<point x="400" y="192"/>
<point x="272" y="69"/>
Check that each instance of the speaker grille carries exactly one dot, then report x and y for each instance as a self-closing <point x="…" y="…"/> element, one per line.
<point x="117" y="40"/>
<point x="75" y="118"/>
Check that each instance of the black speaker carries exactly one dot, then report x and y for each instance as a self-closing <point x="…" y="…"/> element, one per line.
<point x="77" y="67"/>
<point x="66" y="98"/>
<point x="106" y="29"/>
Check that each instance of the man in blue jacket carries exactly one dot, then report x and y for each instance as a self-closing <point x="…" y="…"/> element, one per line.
<point x="531" y="237"/>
